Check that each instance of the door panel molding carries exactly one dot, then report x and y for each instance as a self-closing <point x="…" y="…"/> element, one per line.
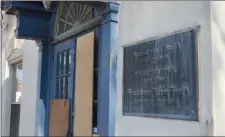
<point x="65" y="79"/>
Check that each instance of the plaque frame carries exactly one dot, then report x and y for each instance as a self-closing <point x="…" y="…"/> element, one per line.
<point x="196" y="30"/>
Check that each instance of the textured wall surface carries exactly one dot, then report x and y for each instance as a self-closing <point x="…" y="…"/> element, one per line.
<point x="29" y="55"/>
<point x="140" y="20"/>
<point x="218" y="57"/>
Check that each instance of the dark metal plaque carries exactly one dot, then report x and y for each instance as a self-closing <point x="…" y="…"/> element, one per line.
<point x="160" y="78"/>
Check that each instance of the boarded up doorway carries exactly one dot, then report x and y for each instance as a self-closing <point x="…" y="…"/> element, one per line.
<point x="84" y="85"/>
<point x="59" y="117"/>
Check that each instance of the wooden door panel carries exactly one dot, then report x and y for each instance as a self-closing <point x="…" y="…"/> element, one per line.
<point x="84" y="85"/>
<point x="59" y="117"/>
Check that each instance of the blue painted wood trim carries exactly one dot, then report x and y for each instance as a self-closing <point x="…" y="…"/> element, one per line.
<point x="52" y="23"/>
<point x="11" y="5"/>
<point x="98" y="35"/>
<point x="49" y="88"/>
<point x="40" y="109"/>
<point x="51" y="73"/>
<point x="108" y="71"/>
<point x="72" y="86"/>
<point x="32" y="24"/>
<point x="79" y="30"/>
<point x="96" y="21"/>
<point x="49" y="59"/>
<point x="43" y="101"/>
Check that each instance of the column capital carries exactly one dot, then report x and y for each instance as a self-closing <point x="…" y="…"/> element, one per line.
<point x="110" y="11"/>
<point x="113" y="7"/>
<point x="41" y="44"/>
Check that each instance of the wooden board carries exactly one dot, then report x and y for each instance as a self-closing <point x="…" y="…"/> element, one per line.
<point x="59" y="117"/>
<point x="84" y="85"/>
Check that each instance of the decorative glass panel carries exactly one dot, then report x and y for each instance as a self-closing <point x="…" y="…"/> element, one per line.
<point x="63" y="74"/>
<point x="69" y="60"/>
<point x="57" y="87"/>
<point x="58" y="63"/>
<point x="64" y="88"/>
<point x="64" y="62"/>
<point x="71" y="14"/>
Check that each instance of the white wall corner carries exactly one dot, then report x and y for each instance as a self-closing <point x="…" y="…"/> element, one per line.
<point x="218" y="56"/>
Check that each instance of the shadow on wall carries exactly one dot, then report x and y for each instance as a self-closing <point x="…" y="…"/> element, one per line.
<point x="6" y="100"/>
<point x="41" y="118"/>
<point x="6" y="106"/>
<point x="218" y="37"/>
<point x="6" y="110"/>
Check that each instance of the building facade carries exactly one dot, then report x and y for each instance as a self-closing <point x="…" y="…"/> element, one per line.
<point x="19" y="75"/>
<point x="88" y="74"/>
<point x="159" y="19"/>
<point x="67" y="35"/>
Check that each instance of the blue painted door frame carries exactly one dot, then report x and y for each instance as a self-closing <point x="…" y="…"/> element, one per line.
<point x="38" y="22"/>
<point x="56" y="48"/>
<point x="107" y="73"/>
<point x="59" y="48"/>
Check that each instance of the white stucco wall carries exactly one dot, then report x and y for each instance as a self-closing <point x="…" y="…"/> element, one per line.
<point x="30" y="85"/>
<point x="218" y="56"/>
<point x="139" y="20"/>
<point x="2" y="75"/>
<point x="6" y="75"/>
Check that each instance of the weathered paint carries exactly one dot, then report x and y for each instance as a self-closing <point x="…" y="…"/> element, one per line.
<point x="108" y="72"/>
<point x="42" y="101"/>
<point x="11" y="7"/>
<point x="108" y="39"/>
<point x="47" y="61"/>
<point x="138" y="97"/>
<point x="32" y="24"/>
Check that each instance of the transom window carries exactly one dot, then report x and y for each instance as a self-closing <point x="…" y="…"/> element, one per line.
<point x="71" y="14"/>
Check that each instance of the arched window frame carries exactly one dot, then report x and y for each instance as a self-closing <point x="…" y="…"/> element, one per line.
<point x="76" y="14"/>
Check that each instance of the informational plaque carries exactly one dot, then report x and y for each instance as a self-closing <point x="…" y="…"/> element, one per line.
<point x="160" y="77"/>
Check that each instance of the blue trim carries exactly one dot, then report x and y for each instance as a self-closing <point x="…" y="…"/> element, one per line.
<point x="32" y="24"/>
<point x="72" y="86"/>
<point x="99" y="38"/>
<point x="59" y="48"/>
<point x="42" y="27"/>
<point x="48" y="94"/>
<point x="9" y="5"/>
<point x="47" y="85"/>
<point x="108" y="71"/>
<point x="52" y="23"/>
<point x="45" y="90"/>
<point x="94" y="22"/>
<point x="53" y="50"/>
<point x="43" y="93"/>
